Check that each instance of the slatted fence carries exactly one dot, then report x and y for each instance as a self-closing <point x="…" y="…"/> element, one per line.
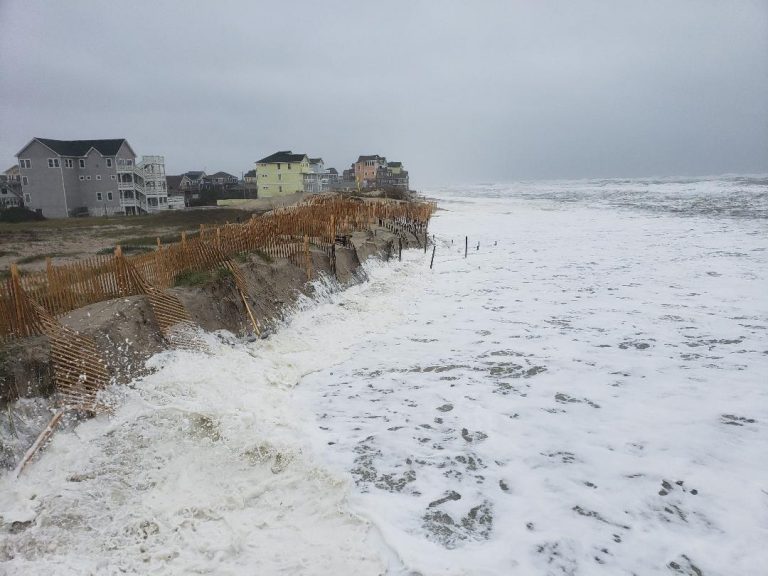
<point x="284" y="233"/>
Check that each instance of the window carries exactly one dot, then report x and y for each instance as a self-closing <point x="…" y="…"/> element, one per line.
<point x="98" y="196"/>
<point x="53" y="162"/>
<point x="69" y="163"/>
<point x="289" y="166"/>
<point x="82" y="162"/>
<point x="120" y="162"/>
<point x="281" y="189"/>
<point x="27" y="198"/>
<point x="109" y="195"/>
<point x="87" y="177"/>
<point x="113" y="177"/>
<point x="26" y="163"/>
<point x="82" y="178"/>
<point x="279" y="176"/>
<point x="109" y="162"/>
<point x="128" y="162"/>
<point x="98" y="177"/>
<point x="24" y="181"/>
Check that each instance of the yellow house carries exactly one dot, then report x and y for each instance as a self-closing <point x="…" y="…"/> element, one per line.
<point x="281" y="174"/>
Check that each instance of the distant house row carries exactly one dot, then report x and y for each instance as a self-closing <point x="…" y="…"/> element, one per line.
<point x="62" y="178"/>
<point x="191" y="185"/>
<point x="286" y="173"/>
<point x="375" y="172"/>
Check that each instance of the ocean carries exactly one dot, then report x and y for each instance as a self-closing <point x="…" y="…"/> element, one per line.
<point x="585" y="393"/>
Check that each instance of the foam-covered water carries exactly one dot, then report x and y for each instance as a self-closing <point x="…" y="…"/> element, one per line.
<point x="584" y="394"/>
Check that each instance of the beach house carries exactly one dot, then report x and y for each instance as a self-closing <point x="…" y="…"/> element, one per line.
<point x="366" y="168"/>
<point x="10" y="188"/>
<point x="62" y="178"/>
<point x="282" y="173"/>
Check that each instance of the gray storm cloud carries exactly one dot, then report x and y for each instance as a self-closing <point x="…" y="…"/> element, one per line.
<point x="459" y="91"/>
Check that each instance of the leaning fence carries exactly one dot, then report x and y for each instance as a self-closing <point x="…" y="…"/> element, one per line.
<point x="285" y="232"/>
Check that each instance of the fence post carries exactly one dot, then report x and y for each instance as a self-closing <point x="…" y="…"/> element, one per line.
<point x="120" y="275"/>
<point x="466" y="245"/>
<point x="18" y="306"/>
<point x="52" y="292"/>
<point x="306" y="257"/>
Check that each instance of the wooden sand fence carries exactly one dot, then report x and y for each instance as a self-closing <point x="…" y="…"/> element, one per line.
<point x="286" y="232"/>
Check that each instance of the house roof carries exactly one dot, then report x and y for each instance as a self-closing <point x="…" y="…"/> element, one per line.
<point x="173" y="182"/>
<point x="282" y="156"/>
<point x="194" y="174"/>
<point x="81" y="147"/>
<point x="315" y="160"/>
<point x="395" y="164"/>
<point x="250" y="174"/>
<point x="221" y="175"/>
<point x="332" y="171"/>
<point x="371" y="157"/>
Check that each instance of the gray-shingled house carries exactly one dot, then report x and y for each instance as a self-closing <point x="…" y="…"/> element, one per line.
<point x="61" y="178"/>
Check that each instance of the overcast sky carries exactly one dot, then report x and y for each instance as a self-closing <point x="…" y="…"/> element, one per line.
<point x="459" y="91"/>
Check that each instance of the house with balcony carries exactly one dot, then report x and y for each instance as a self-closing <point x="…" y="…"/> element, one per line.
<point x="330" y="177"/>
<point x="62" y="178"/>
<point x="176" y="197"/>
<point x="251" y="183"/>
<point x="366" y="168"/>
<point x="155" y="187"/>
<point x="191" y="184"/>
<point x="12" y="174"/>
<point x="374" y="171"/>
<point x="313" y="180"/>
<point x="220" y="180"/>
<point x="10" y="188"/>
<point x="192" y="181"/>
<point x="392" y="177"/>
<point x="250" y="177"/>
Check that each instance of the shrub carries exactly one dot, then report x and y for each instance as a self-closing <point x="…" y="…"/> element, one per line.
<point x="19" y="214"/>
<point x="264" y="256"/>
<point x="192" y="278"/>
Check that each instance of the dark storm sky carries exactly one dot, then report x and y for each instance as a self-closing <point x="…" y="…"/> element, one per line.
<point x="459" y="91"/>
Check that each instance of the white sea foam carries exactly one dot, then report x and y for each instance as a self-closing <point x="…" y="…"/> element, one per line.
<point x="585" y="394"/>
